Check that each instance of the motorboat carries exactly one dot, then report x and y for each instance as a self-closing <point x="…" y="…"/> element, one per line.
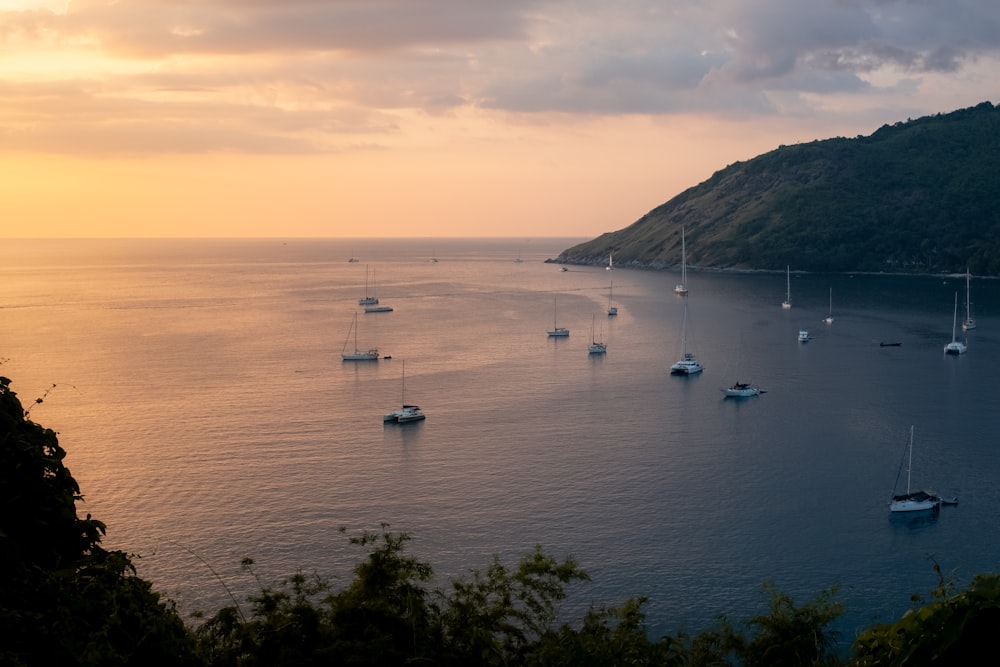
<point x="803" y="336"/>
<point x="742" y="389"/>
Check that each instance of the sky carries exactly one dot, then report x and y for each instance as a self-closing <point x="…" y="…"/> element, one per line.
<point x="442" y="118"/>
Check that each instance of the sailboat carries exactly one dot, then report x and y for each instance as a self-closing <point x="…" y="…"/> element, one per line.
<point x="373" y="307"/>
<point x="681" y="287"/>
<point x="611" y="262"/>
<point x="911" y="501"/>
<point x="829" y="318"/>
<point x="367" y="299"/>
<point x="557" y="331"/>
<point x="787" y="303"/>
<point x="407" y="413"/>
<point x="955" y="346"/>
<point x="687" y="364"/>
<point x="970" y="322"/>
<point x="357" y="355"/>
<point x="596" y="346"/>
<point x="612" y="310"/>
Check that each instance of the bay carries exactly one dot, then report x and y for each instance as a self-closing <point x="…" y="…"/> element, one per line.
<point x="208" y="417"/>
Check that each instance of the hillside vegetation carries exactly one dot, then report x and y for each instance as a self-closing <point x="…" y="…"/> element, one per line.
<point x="916" y="197"/>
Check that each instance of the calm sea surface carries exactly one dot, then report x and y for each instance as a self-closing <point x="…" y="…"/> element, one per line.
<point x="208" y="416"/>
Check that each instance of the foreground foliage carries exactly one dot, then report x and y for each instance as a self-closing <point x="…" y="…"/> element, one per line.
<point x="64" y="600"/>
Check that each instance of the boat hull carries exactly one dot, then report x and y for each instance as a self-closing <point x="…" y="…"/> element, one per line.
<point x="741" y="390"/>
<point x="918" y="501"/>
<point x="559" y="333"/>
<point x="360" y="356"/>
<point x="686" y="368"/>
<point x="408" y="413"/>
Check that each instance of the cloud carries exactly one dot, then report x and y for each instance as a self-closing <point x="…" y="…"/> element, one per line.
<point x="313" y="75"/>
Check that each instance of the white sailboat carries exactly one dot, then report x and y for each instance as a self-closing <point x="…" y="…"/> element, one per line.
<point x="612" y="310"/>
<point x="407" y="413"/>
<point x="687" y="364"/>
<point x="374" y="306"/>
<point x="681" y="287"/>
<point x="596" y="346"/>
<point x="367" y="299"/>
<point x="829" y="318"/>
<point x="969" y="322"/>
<point x="370" y="355"/>
<point x="955" y="346"/>
<point x="787" y="303"/>
<point x="912" y="501"/>
<point x="611" y="262"/>
<point x="557" y="331"/>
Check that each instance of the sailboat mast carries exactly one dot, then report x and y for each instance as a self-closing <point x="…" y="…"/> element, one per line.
<point x="684" y="266"/>
<point x="909" y="465"/>
<point x="954" y="321"/>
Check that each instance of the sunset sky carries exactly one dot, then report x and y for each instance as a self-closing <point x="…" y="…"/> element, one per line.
<point x="388" y="118"/>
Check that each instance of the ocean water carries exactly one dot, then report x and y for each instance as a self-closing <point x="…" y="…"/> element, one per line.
<point x="208" y="417"/>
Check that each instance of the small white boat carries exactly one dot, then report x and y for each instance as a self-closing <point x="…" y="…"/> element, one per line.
<point x="681" y="287"/>
<point x="787" y="303"/>
<point x="969" y="322"/>
<point x="611" y="262"/>
<point x="955" y="346"/>
<point x="687" y="364"/>
<point x="596" y="346"/>
<point x="803" y="336"/>
<point x="357" y="355"/>
<point x="742" y="389"/>
<point x="829" y="318"/>
<point x="612" y="310"/>
<point x="407" y="413"/>
<point x="912" y="501"/>
<point x="557" y="331"/>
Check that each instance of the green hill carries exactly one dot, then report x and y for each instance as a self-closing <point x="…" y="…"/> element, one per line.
<point x="918" y="196"/>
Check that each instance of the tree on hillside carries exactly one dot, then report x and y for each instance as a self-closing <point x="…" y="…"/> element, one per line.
<point x="64" y="600"/>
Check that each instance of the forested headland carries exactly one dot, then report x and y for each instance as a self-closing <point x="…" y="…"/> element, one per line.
<point x="918" y="196"/>
<point x="66" y="600"/>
